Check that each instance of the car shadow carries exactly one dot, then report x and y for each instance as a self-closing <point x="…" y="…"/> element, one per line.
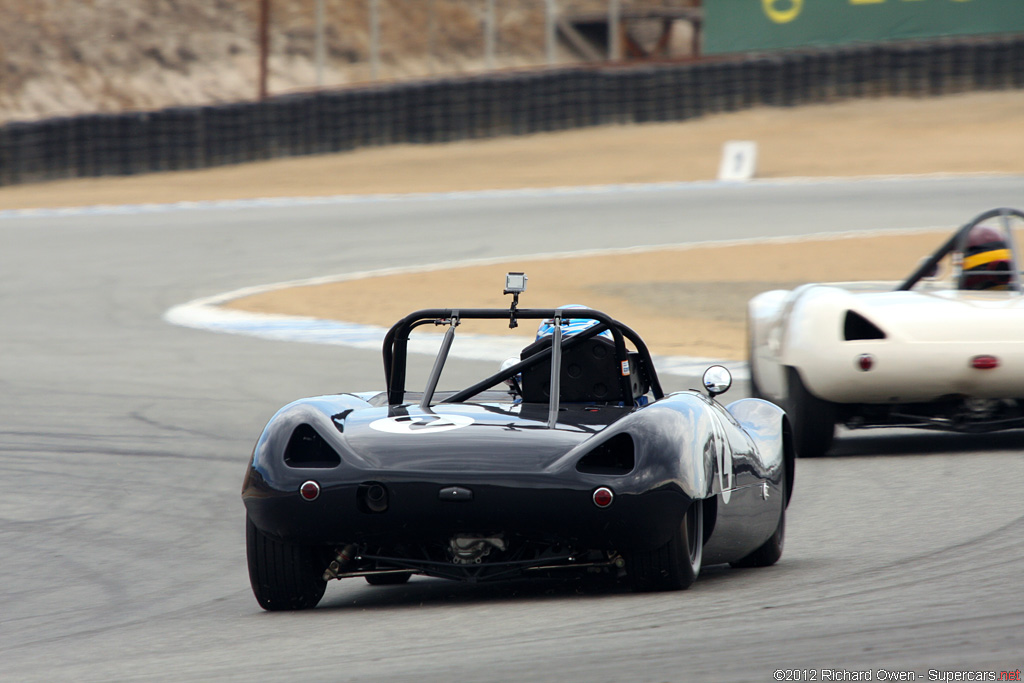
<point x="426" y="591"/>
<point x="908" y="442"/>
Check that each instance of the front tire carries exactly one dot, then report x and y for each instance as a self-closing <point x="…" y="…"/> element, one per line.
<point x="283" y="575"/>
<point x="771" y="550"/>
<point x="755" y="390"/>
<point x="814" y="420"/>
<point x="675" y="565"/>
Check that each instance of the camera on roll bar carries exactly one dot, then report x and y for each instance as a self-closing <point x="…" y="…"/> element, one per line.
<point x="515" y="283"/>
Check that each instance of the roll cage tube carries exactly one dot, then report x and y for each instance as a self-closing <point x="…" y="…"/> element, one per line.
<point x="439" y="361"/>
<point x="555" y="383"/>
<point x="959" y="239"/>
<point x="395" y="347"/>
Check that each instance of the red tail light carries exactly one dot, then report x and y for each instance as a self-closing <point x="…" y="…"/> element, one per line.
<point x="310" y="490"/>
<point x="603" y="497"/>
<point x="984" y="362"/>
<point x="865" y="361"/>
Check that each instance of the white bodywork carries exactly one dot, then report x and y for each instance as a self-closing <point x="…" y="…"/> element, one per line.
<point x="931" y="336"/>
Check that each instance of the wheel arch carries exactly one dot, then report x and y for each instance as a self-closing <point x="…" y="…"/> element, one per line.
<point x="771" y="429"/>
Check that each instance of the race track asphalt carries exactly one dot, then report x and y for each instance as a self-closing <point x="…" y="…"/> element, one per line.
<point x="124" y="441"/>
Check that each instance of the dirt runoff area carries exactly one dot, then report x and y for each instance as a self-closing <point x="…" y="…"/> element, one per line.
<point x="967" y="133"/>
<point x="683" y="302"/>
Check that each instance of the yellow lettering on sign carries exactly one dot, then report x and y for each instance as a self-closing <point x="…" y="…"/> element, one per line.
<point x="774" y="10"/>
<point x="877" y="2"/>
<point x="785" y="11"/>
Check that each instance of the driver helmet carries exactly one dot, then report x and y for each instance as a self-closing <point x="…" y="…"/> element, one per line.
<point x="570" y="326"/>
<point x="986" y="260"/>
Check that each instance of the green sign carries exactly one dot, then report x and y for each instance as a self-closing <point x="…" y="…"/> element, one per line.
<point x="747" y="25"/>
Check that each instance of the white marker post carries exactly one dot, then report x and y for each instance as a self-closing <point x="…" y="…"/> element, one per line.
<point x="739" y="161"/>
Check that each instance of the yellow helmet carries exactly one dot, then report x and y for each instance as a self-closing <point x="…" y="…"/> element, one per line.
<point x="986" y="263"/>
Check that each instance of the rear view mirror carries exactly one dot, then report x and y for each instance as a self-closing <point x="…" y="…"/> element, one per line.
<point x="717" y="380"/>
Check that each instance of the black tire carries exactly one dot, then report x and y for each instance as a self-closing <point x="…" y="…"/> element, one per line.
<point x="814" y="420"/>
<point x="675" y="565"/>
<point x="388" y="579"/>
<point x="284" y="576"/>
<point x="755" y="390"/>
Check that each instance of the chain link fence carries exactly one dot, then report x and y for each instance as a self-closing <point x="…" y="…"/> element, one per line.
<point x="368" y="40"/>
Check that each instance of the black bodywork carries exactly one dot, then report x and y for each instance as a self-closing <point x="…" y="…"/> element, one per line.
<point x="483" y="484"/>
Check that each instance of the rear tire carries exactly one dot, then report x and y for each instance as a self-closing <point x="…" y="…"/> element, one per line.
<point x="814" y="420"/>
<point x="283" y="575"/>
<point x="675" y="565"/>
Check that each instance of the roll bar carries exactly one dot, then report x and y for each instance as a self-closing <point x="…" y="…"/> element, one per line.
<point x="959" y="241"/>
<point x="395" y="348"/>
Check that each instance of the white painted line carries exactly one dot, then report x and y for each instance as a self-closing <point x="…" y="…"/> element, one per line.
<point x="331" y="200"/>
<point x="218" y="299"/>
<point x="203" y="315"/>
<point x="208" y="313"/>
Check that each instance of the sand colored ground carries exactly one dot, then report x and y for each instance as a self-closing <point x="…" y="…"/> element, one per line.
<point x="706" y="292"/>
<point x="682" y="301"/>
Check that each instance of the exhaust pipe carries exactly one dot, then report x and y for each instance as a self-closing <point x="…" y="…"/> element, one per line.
<point x="373" y="497"/>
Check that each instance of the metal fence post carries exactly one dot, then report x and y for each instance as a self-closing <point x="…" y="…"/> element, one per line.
<point x="489" y="34"/>
<point x="432" y="37"/>
<point x="551" y="11"/>
<point x="614" y="38"/>
<point x="319" y="48"/>
<point x="263" y="39"/>
<point x="374" y="39"/>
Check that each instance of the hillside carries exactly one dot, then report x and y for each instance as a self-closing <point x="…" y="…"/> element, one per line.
<point x="68" y="57"/>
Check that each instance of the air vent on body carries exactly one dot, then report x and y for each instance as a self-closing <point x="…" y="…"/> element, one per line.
<point x="307" y="448"/>
<point x="857" y="328"/>
<point x="614" y="456"/>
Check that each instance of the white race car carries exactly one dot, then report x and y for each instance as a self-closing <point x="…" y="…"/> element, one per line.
<point x="944" y="349"/>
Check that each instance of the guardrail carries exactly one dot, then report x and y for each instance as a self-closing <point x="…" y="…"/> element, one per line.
<point x="494" y="105"/>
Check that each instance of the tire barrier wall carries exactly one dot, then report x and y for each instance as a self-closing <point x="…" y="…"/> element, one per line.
<point x="493" y="105"/>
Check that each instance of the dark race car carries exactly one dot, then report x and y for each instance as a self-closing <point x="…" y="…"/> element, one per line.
<point x="569" y="459"/>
